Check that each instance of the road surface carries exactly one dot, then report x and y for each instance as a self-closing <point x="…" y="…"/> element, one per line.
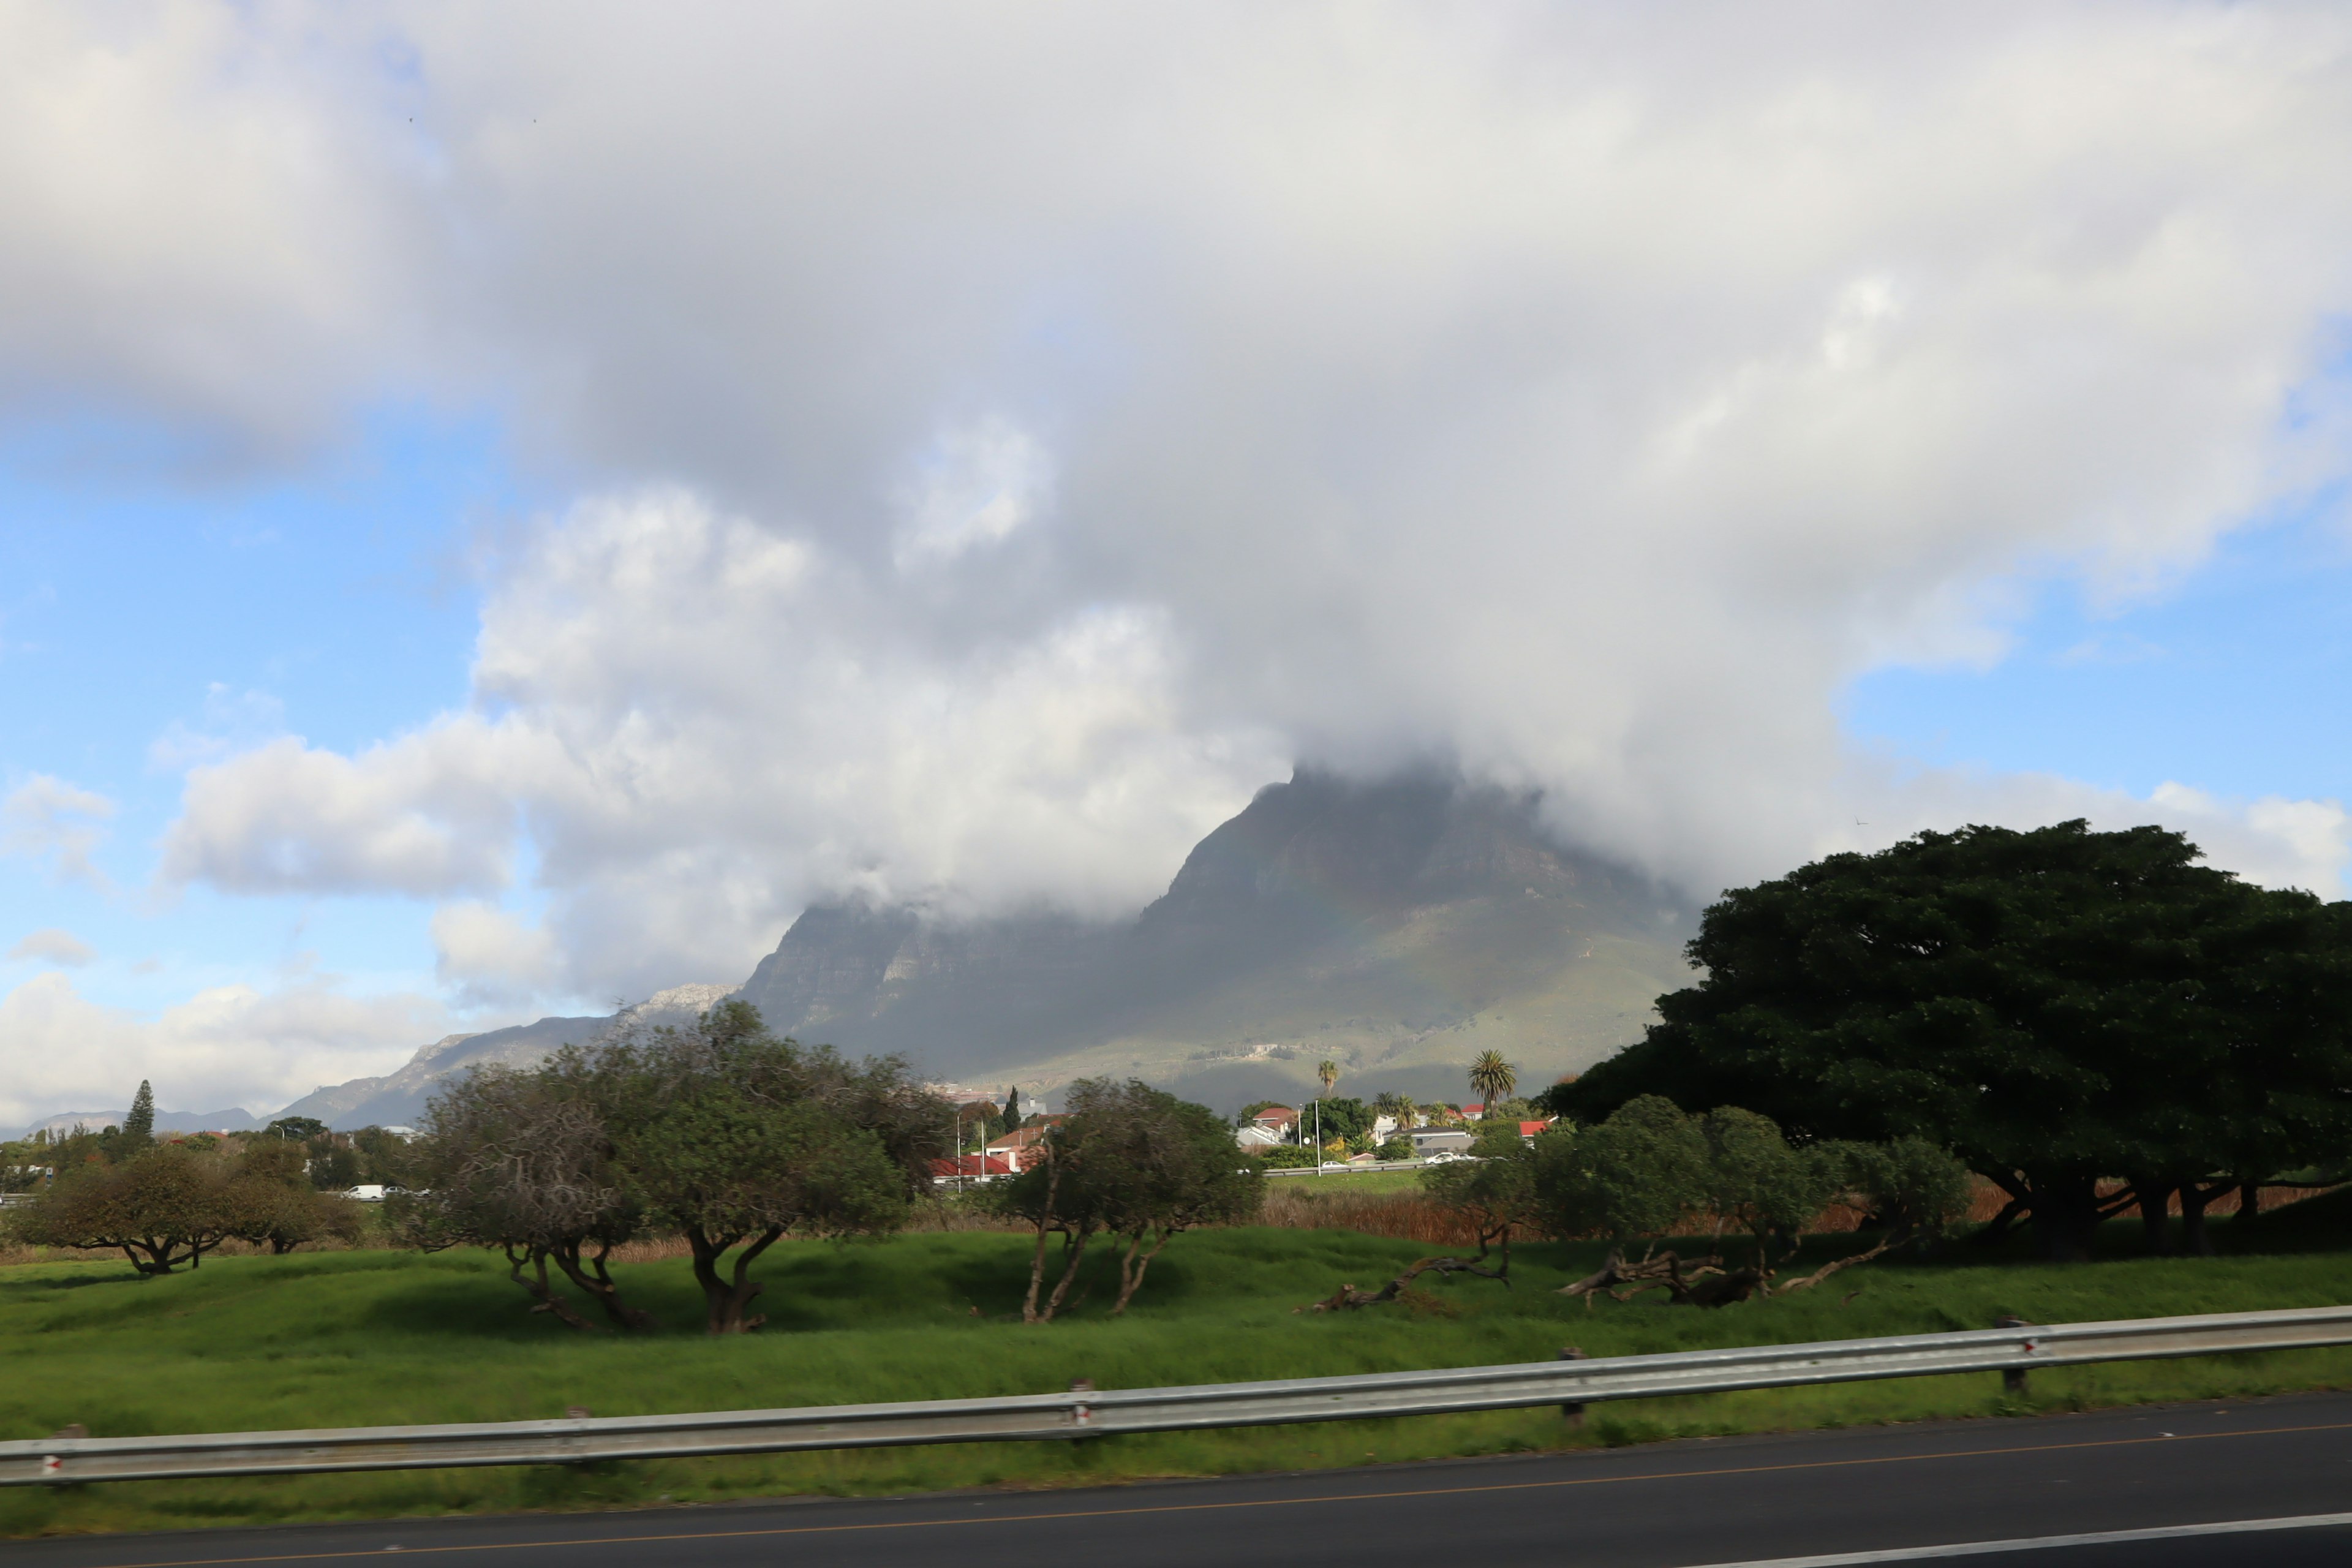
<point x="2266" y="1481"/>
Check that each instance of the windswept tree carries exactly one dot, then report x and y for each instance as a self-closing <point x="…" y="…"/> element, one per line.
<point x="522" y="1161"/>
<point x="1634" y="1178"/>
<point x="1649" y="1171"/>
<point x="1161" y="1166"/>
<point x="733" y="1138"/>
<point x="167" y="1206"/>
<point x="1133" y="1162"/>
<point x="2059" y="1008"/>
<point x="1491" y="1079"/>
<point x="278" y="1208"/>
<point x="1494" y="1192"/>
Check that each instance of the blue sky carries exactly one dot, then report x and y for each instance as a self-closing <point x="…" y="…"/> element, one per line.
<point x="500" y="511"/>
<point x="153" y="621"/>
<point x="2231" y="678"/>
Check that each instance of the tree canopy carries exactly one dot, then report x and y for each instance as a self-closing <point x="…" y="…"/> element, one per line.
<point x="1649" y="1171"/>
<point x="171" y="1204"/>
<point x="721" y="1134"/>
<point x="2057" y="1006"/>
<point x="1134" y="1163"/>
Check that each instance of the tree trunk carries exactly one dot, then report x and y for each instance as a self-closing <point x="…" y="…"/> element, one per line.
<point x="549" y="1300"/>
<point x="2020" y="1203"/>
<point x="2195" y="1239"/>
<point x="594" y="1278"/>
<point x="728" y="1297"/>
<point x="2066" y="1215"/>
<point x="2249" y="1200"/>
<point x="1077" y="1255"/>
<point x="2155" y="1216"/>
<point x="1347" y="1298"/>
<point x="159" y="1251"/>
<point x="1131" y="1268"/>
<point x="1044" y="1229"/>
<point x="1886" y="1244"/>
<point x="1601" y="1278"/>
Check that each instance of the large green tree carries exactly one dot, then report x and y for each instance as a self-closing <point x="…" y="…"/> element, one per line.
<point x="733" y="1138"/>
<point x="168" y="1205"/>
<point x="522" y="1161"/>
<point x="1132" y="1162"/>
<point x="2058" y="1006"/>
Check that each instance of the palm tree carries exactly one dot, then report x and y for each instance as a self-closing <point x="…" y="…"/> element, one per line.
<point x="1493" y="1079"/>
<point x="1327" y="1073"/>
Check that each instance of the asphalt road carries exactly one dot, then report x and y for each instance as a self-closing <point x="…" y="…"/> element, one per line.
<point x="1879" y="1494"/>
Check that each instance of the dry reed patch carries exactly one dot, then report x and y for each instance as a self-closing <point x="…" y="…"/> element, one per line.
<point x="1406" y="1216"/>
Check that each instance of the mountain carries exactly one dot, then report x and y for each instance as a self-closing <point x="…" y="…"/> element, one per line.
<point x="398" y="1100"/>
<point x="230" y="1120"/>
<point x="1397" y="928"/>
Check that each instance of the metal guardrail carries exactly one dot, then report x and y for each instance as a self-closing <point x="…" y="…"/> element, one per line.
<point x="1084" y="1413"/>
<point x="1343" y="1169"/>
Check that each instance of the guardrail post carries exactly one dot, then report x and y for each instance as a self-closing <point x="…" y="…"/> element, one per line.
<point x="2012" y="1379"/>
<point x="1572" y="1414"/>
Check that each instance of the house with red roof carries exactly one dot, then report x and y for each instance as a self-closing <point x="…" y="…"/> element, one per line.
<point x="968" y="1168"/>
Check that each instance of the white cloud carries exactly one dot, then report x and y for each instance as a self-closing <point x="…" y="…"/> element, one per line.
<point x="488" y="957"/>
<point x="976" y="488"/>
<point x="2293" y="843"/>
<point x="201" y="228"/>
<point x="49" y="820"/>
<point x="52" y="945"/>
<point x="412" y="816"/>
<point x="227" y="1045"/>
<point x="704" y="725"/>
<point x="1584" y="396"/>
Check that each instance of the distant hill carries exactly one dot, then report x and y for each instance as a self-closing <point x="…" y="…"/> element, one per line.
<point x="230" y="1120"/>
<point x="398" y="1100"/>
<point x="1398" y="929"/>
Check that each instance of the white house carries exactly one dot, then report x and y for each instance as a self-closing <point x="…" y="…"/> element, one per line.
<point x="1256" y="1136"/>
<point x="1428" y="1141"/>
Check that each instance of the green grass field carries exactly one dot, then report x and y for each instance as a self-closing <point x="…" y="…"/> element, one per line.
<point x="373" y="1338"/>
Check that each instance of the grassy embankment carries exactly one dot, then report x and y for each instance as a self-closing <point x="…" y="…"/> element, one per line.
<point x="370" y="1337"/>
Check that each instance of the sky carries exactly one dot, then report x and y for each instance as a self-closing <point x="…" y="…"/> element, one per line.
<point x="501" y="507"/>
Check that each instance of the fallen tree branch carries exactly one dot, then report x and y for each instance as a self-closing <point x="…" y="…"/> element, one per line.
<point x="1347" y="1299"/>
<point x="1893" y="1240"/>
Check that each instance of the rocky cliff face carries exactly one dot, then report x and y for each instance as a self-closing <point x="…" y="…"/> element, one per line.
<point x="1396" y="927"/>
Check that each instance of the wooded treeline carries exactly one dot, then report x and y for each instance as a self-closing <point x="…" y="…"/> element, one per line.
<point x="2062" y="1009"/>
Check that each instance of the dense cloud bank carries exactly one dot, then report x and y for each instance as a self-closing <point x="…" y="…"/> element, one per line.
<point x="1004" y="437"/>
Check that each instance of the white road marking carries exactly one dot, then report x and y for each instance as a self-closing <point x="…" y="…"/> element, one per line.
<point x="2031" y="1543"/>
